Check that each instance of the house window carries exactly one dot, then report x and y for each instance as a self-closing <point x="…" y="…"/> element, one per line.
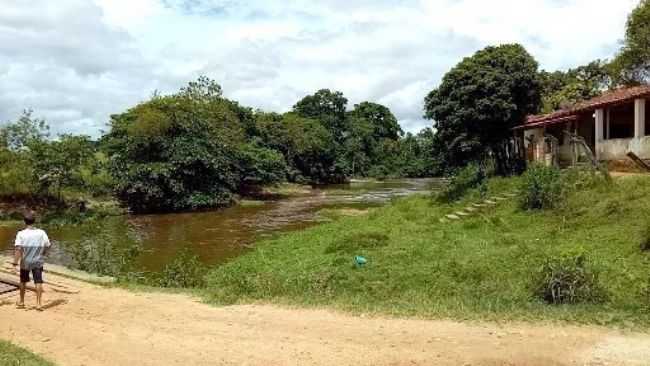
<point x="621" y="121"/>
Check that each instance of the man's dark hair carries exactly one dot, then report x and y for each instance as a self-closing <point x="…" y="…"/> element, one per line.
<point x="29" y="218"/>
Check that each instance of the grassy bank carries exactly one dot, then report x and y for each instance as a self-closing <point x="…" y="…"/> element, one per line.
<point x="481" y="267"/>
<point x="11" y="355"/>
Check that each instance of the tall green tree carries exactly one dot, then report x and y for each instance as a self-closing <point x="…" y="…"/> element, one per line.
<point x="370" y="125"/>
<point x="23" y="132"/>
<point x="563" y="88"/>
<point x="480" y="100"/>
<point x="328" y="107"/>
<point x="188" y="150"/>
<point x="632" y="64"/>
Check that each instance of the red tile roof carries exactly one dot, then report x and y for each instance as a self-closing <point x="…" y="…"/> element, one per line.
<point x="606" y="99"/>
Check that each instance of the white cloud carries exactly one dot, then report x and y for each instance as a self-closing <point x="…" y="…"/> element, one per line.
<point x="77" y="61"/>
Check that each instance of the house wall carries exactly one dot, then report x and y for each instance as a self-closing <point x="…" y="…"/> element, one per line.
<point x="617" y="149"/>
<point x="626" y="129"/>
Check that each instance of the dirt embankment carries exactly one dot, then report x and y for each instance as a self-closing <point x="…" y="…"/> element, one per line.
<point x="99" y="326"/>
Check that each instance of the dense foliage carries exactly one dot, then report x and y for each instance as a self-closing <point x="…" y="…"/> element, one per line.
<point x="632" y="64"/>
<point x="561" y="89"/>
<point x="37" y="168"/>
<point x="196" y="149"/>
<point x="479" y="101"/>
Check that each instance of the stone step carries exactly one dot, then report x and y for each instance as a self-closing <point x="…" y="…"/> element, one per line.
<point x="488" y="202"/>
<point x="453" y="217"/>
<point x="461" y="213"/>
<point x="479" y="205"/>
<point x="470" y="209"/>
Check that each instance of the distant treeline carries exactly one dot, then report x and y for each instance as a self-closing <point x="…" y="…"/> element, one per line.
<point x="197" y="149"/>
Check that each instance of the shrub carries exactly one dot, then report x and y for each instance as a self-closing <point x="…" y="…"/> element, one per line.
<point x="185" y="271"/>
<point x="542" y="188"/>
<point x="568" y="278"/>
<point x="470" y="177"/>
<point x="581" y="178"/>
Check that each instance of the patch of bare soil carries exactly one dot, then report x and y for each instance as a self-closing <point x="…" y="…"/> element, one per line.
<point x="101" y="326"/>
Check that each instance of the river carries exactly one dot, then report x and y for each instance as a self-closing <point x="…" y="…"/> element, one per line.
<point x="217" y="236"/>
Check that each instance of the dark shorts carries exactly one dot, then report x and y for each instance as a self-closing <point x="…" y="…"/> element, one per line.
<point x="36" y="272"/>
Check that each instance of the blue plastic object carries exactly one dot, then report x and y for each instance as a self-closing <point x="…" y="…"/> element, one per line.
<point x="360" y="260"/>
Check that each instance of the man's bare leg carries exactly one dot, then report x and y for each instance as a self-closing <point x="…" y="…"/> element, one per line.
<point x="23" y="288"/>
<point x="39" y="296"/>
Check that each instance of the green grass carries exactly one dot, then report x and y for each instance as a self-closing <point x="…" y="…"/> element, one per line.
<point x="480" y="268"/>
<point x="11" y="355"/>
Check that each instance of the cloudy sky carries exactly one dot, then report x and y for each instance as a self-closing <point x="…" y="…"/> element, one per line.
<point x="75" y="62"/>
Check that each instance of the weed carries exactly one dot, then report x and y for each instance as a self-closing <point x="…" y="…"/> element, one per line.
<point x="470" y="177"/>
<point x="184" y="271"/>
<point x="542" y="188"/>
<point x="568" y="278"/>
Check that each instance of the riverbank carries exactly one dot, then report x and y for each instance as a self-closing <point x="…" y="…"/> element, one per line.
<point x="480" y="267"/>
<point x="100" y="326"/>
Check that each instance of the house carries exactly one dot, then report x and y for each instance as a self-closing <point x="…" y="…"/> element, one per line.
<point x="612" y="125"/>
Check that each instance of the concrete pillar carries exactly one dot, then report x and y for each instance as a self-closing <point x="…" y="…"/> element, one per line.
<point x="600" y="126"/>
<point x="609" y="120"/>
<point x="639" y="118"/>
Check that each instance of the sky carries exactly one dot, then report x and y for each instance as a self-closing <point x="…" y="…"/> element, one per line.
<point x="76" y="62"/>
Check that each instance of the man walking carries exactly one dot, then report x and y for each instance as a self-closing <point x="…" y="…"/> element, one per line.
<point x="31" y="247"/>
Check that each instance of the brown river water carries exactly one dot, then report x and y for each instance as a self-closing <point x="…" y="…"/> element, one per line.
<point x="217" y="236"/>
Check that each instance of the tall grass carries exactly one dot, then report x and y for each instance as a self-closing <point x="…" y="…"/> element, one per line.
<point x="482" y="267"/>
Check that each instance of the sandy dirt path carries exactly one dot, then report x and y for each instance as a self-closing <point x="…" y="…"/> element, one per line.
<point x="101" y="326"/>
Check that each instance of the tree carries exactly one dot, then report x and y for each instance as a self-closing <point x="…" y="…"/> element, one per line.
<point x="188" y="150"/>
<point x="25" y="131"/>
<point x="480" y="100"/>
<point x="312" y="149"/>
<point x="327" y="107"/>
<point x="632" y="64"/>
<point x="561" y="89"/>
<point x="57" y="164"/>
<point x="369" y="125"/>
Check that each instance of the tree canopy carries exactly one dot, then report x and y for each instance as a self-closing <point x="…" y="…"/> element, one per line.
<point x="563" y="88"/>
<point x="632" y="64"/>
<point x="480" y="100"/>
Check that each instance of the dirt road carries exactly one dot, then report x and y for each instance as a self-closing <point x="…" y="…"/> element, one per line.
<point x="116" y="327"/>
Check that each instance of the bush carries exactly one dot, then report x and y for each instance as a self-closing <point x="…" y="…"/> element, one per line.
<point x="185" y="271"/>
<point x="542" y="188"/>
<point x="470" y="177"/>
<point x="567" y="278"/>
<point x="581" y="178"/>
<point x="261" y="165"/>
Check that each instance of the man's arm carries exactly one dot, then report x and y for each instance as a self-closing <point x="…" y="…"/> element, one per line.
<point x="47" y="243"/>
<point x="18" y="256"/>
<point x="18" y="251"/>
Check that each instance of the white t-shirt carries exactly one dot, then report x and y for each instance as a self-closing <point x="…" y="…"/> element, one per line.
<point x="34" y="243"/>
